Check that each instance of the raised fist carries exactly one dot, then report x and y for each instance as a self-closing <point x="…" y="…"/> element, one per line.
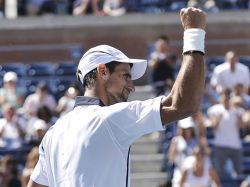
<point x="193" y="18"/>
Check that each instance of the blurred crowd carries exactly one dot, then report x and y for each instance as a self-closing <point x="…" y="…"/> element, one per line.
<point x="113" y="7"/>
<point x="206" y="148"/>
<point x="24" y="120"/>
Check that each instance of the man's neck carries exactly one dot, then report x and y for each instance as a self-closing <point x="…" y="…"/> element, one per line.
<point x="95" y="93"/>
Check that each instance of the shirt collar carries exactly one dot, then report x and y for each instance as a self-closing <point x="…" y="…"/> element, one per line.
<point x="83" y="100"/>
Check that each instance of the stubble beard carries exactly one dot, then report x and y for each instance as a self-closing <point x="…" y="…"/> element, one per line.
<point x="117" y="98"/>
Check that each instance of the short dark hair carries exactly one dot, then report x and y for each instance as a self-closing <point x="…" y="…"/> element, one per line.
<point x="163" y="37"/>
<point x="90" y="78"/>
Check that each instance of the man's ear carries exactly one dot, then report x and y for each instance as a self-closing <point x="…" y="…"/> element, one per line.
<point x="102" y="71"/>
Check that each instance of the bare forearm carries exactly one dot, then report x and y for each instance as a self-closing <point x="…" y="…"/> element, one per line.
<point x="189" y="85"/>
<point x="187" y="90"/>
<point x="184" y="98"/>
<point x="214" y="177"/>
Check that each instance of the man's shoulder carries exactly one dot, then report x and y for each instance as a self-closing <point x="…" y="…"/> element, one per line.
<point x="2" y="121"/>
<point x="243" y="67"/>
<point x="215" y="108"/>
<point x="221" y="67"/>
<point x="32" y="96"/>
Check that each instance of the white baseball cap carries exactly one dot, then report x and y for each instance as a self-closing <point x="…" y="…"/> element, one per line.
<point x="103" y="54"/>
<point x="10" y="76"/>
<point x="40" y="125"/>
<point x="186" y="123"/>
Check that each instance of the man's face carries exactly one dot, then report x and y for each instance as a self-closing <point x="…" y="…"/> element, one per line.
<point x="9" y="112"/>
<point x="161" y="46"/>
<point x="119" y="85"/>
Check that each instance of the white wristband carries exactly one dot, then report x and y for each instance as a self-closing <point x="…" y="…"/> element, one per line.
<point x="193" y="40"/>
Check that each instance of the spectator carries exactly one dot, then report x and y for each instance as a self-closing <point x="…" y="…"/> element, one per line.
<point x="67" y="102"/>
<point x="11" y="93"/>
<point x="33" y="6"/>
<point x="31" y="161"/>
<point x="1" y="8"/>
<point x="45" y="114"/>
<point x="226" y="119"/>
<point x="198" y="170"/>
<point x="9" y="174"/>
<point x="239" y="91"/>
<point x="230" y="73"/>
<point x="114" y="7"/>
<point x="12" y="129"/>
<point x="37" y="132"/>
<point x="182" y="146"/>
<point x="162" y="64"/>
<point x="207" y="5"/>
<point x="47" y="8"/>
<point x="177" y="5"/>
<point x="38" y="99"/>
<point x="83" y="7"/>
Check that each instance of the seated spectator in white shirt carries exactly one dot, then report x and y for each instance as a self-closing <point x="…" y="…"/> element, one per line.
<point x="83" y="7"/>
<point x="230" y="73"/>
<point x="39" y="99"/>
<point x="66" y="103"/>
<point x="114" y="7"/>
<point x="198" y="171"/>
<point x="36" y="132"/>
<point x="12" y="129"/>
<point x="181" y="146"/>
<point x="10" y="92"/>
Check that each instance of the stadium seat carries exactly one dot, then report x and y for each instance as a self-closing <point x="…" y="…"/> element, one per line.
<point x="31" y="84"/>
<point x="59" y="85"/>
<point x="245" y="61"/>
<point x="1" y="82"/>
<point x="210" y="133"/>
<point x="213" y="62"/>
<point x="232" y="182"/>
<point x="246" y="165"/>
<point x="65" y="69"/>
<point x="18" y="68"/>
<point x="246" y="148"/>
<point x="18" y="154"/>
<point x="40" y="69"/>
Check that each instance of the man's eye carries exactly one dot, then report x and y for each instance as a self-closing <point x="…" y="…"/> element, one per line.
<point x="127" y="76"/>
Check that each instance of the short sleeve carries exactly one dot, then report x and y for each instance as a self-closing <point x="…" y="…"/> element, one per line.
<point x="39" y="174"/>
<point x="130" y="120"/>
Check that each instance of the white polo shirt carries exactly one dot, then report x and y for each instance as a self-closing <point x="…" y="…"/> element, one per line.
<point x="223" y="77"/>
<point x="227" y="134"/>
<point x="89" y="147"/>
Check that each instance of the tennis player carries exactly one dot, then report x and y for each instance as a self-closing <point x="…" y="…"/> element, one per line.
<point x="89" y="147"/>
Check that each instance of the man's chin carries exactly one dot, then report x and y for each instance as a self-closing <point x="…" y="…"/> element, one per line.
<point x="123" y="100"/>
<point x="118" y="100"/>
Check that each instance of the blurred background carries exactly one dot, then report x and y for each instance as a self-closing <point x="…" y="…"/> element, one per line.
<point x="42" y="41"/>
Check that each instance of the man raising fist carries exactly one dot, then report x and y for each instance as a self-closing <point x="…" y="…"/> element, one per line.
<point x="89" y="147"/>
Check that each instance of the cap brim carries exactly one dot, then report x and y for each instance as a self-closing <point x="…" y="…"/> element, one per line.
<point x="139" y="67"/>
<point x="186" y="123"/>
